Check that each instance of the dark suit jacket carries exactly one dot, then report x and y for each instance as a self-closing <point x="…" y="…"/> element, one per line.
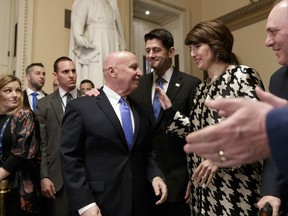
<point x="26" y="100"/>
<point x="169" y="150"/>
<point x="273" y="182"/>
<point x="96" y="162"/>
<point x="276" y="126"/>
<point x="50" y="113"/>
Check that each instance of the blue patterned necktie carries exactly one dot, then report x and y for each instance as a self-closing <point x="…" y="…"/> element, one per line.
<point x="126" y="122"/>
<point x="156" y="102"/>
<point x="34" y="100"/>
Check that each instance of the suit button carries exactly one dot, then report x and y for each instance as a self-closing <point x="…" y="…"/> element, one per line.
<point x="129" y="178"/>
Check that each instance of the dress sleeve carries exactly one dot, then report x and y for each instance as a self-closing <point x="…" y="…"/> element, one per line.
<point x="25" y="134"/>
<point x="248" y="80"/>
<point x="179" y="124"/>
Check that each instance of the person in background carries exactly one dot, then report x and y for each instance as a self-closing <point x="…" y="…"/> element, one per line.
<point x="108" y="167"/>
<point x="19" y="150"/>
<point x="86" y="85"/>
<point x="50" y="111"/>
<point x="55" y="85"/>
<point x="159" y="46"/>
<point x="214" y="191"/>
<point x="35" y="74"/>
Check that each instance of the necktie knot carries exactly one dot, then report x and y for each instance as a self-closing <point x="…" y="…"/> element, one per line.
<point x="122" y="101"/>
<point x="68" y="97"/>
<point x="159" y="82"/>
<point x="34" y="100"/>
<point x="34" y="94"/>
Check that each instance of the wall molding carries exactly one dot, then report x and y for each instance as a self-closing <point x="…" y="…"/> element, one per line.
<point x="247" y="15"/>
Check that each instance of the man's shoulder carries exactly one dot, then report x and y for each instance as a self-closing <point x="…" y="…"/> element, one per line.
<point x="49" y="97"/>
<point x="283" y="71"/>
<point x="188" y="78"/>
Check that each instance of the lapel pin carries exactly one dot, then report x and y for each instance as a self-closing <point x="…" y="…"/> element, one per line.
<point x="177" y="84"/>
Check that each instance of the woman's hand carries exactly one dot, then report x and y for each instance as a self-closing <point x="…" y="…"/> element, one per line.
<point x="163" y="98"/>
<point x="204" y="173"/>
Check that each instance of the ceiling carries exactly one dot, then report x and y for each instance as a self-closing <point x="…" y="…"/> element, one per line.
<point x="158" y="14"/>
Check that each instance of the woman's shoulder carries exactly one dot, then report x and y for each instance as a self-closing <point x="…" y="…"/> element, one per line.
<point x="243" y="69"/>
<point x="23" y="113"/>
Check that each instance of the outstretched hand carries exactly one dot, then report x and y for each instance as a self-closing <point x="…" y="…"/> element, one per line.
<point x="239" y="139"/>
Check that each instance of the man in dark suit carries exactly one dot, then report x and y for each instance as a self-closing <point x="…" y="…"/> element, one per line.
<point x="179" y="87"/>
<point x="50" y="111"/>
<point x="35" y="74"/>
<point x="103" y="172"/>
<point x="274" y="185"/>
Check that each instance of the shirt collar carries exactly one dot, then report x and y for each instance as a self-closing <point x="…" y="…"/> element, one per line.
<point x="166" y="76"/>
<point x="113" y="97"/>
<point x="30" y="91"/>
<point x="62" y="92"/>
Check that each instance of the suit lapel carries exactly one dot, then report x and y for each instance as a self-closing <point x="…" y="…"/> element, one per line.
<point x="108" y="110"/>
<point x="174" y="87"/>
<point x="56" y="103"/>
<point x="136" y="120"/>
<point x="25" y="99"/>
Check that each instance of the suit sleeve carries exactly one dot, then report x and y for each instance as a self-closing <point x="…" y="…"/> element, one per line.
<point x="40" y="113"/>
<point x="276" y="127"/>
<point x="72" y="159"/>
<point x="272" y="180"/>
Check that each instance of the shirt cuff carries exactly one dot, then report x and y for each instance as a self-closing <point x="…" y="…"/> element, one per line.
<point x="82" y="210"/>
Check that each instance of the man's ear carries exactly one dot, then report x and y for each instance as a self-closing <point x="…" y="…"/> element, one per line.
<point x="112" y="71"/>
<point x="28" y="76"/>
<point x="171" y="52"/>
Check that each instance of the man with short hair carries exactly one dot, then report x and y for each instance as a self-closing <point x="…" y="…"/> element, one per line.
<point x="159" y="47"/>
<point x="35" y="74"/>
<point x="50" y="111"/>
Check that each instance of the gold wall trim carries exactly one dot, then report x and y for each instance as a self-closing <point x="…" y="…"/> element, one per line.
<point x="247" y="15"/>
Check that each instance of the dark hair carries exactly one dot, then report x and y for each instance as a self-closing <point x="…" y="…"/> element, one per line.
<point x="214" y="33"/>
<point x="87" y="81"/>
<point x="29" y="67"/>
<point x="163" y="35"/>
<point x="60" y="59"/>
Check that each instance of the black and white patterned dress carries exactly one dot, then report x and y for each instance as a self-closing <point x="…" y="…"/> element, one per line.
<point x="233" y="191"/>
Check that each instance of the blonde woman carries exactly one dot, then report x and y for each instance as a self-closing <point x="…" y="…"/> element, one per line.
<point x="19" y="150"/>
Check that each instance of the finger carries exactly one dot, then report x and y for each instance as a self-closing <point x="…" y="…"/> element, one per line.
<point x="196" y="173"/>
<point x="162" y="198"/>
<point x="156" y="190"/>
<point x="53" y="189"/>
<point x="209" y="179"/>
<point x="225" y="106"/>
<point x="270" y="98"/>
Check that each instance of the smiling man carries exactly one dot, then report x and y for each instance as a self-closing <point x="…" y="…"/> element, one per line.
<point x="179" y="86"/>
